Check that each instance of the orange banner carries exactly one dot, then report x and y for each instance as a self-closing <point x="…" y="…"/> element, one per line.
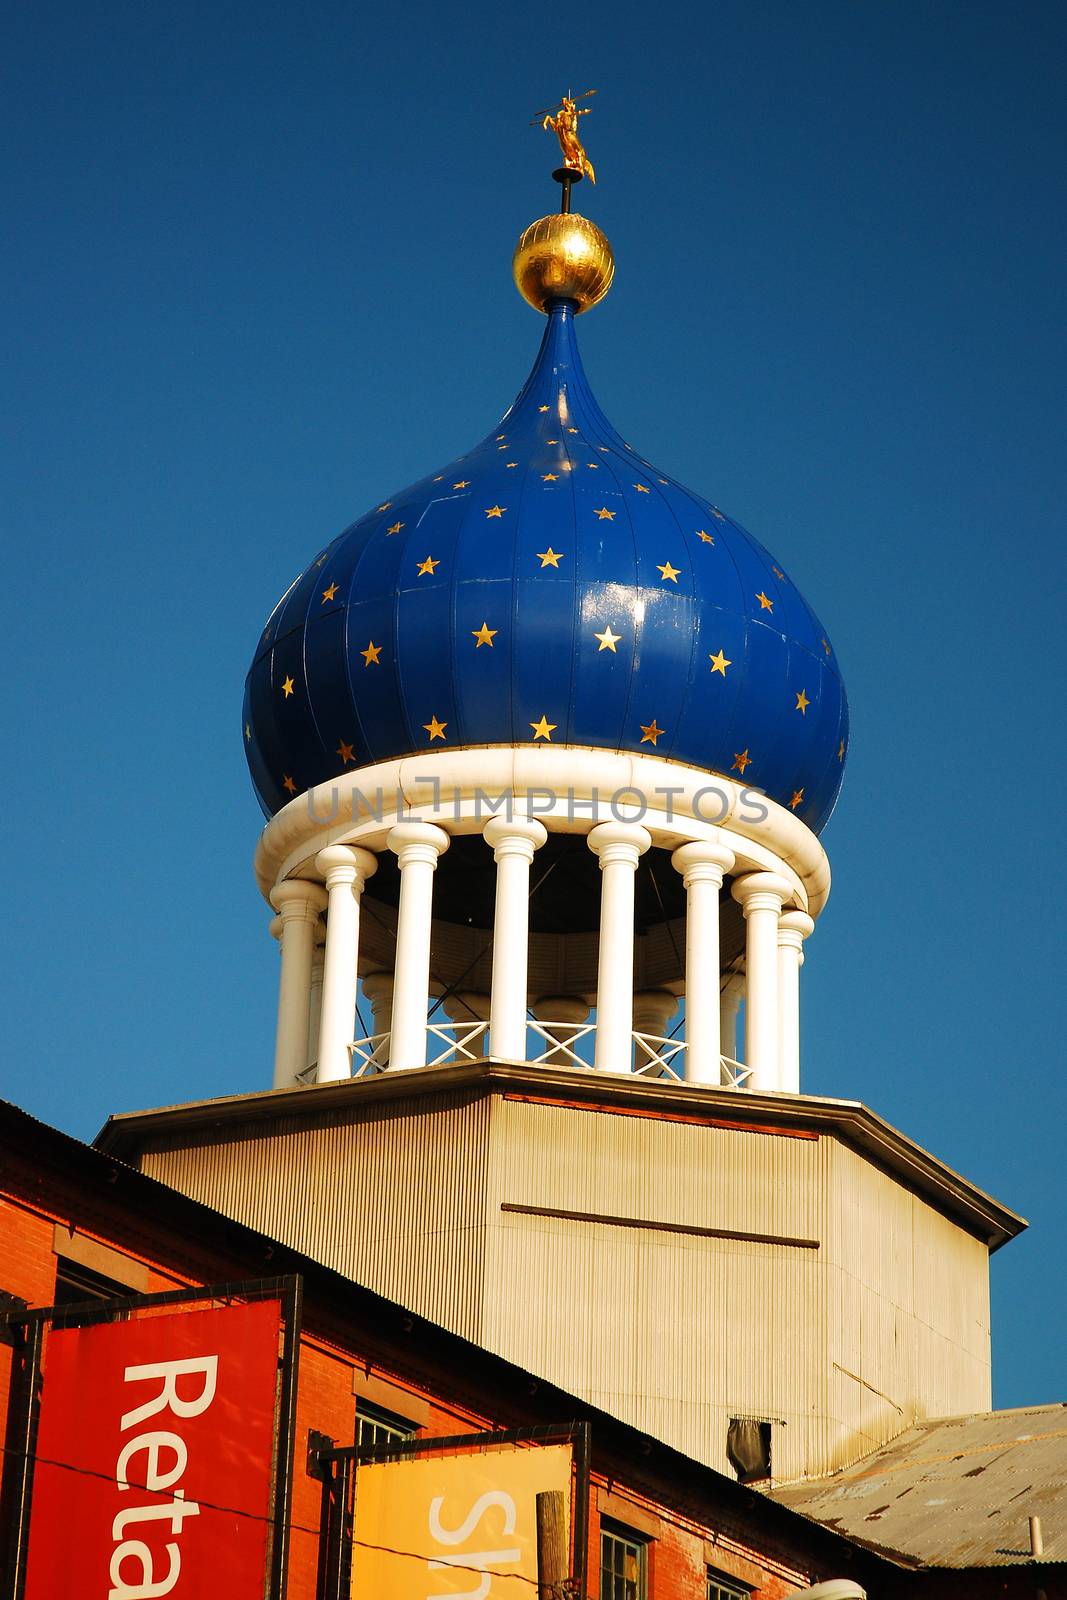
<point x="461" y="1526"/>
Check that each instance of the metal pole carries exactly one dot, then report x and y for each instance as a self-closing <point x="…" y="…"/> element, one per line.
<point x="22" y="1441"/>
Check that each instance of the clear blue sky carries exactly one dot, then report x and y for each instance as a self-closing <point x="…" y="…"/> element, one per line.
<point x="258" y="277"/>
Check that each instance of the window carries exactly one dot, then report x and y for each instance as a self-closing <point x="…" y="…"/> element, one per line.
<point x="623" y="1565"/>
<point x="723" y="1589"/>
<point x="75" y="1283"/>
<point x="748" y="1449"/>
<point x="375" y="1428"/>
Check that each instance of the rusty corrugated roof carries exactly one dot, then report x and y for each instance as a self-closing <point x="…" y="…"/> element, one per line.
<point x="954" y="1492"/>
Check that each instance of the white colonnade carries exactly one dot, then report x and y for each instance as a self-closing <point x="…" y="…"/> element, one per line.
<point x="317" y="988"/>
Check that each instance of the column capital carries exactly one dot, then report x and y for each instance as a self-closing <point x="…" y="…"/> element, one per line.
<point x="466" y="1005"/>
<point x="417" y="841"/>
<point x="561" y="1008"/>
<point x="517" y="835"/>
<point x="619" y="841"/>
<point x="346" y="864"/>
<point x="793" y="928"/>
<point x="377" y="986"/>
<point x="297" y="900"/>
<point x="702" y="861"/>
<point x="761" y="891"/>
<point x="732" y="989"/>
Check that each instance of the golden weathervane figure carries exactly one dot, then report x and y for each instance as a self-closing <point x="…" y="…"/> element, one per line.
<point x="563" y="120"/>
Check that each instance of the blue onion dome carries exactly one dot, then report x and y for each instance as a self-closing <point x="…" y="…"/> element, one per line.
<point x="549" y="586"/>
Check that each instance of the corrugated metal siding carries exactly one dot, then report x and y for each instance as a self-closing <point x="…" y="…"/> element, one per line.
<point x="674" y="1333"/>
<point x="909" y="1301"/>
<point x="394" y="1200"/>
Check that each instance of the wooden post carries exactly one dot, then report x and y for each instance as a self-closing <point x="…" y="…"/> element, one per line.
<point x="552" y="1554"/>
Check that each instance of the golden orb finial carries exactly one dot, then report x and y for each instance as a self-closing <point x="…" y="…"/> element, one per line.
<point x="563" y="257"/>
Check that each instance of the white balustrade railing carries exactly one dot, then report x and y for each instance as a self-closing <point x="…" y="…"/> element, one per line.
<point x="550" y="1044"/>
<point x="557" y="1041"/>
<point x="658" y="1058"/>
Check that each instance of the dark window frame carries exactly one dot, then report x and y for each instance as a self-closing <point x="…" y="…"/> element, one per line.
<point x="722" y="1587"/>
<point x="76" y="1284"/>
<point x="377" y="1428"/>
<point x="624" y="1539"/>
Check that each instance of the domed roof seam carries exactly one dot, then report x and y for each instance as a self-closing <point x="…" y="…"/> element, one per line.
<point x="609" y="463"/>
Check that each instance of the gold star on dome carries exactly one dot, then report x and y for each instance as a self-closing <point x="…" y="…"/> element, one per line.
<point x="495" y="511"/>
<point x="439" y="478"/>
<point x="705" y="538"/>
<point x="550" y="557"/>
<point x="552" y="441"/>
<point x="798" y="795"/>
<point x="484" y="635"/>
<point x="248" y="733"/>
<point x="594" y="466"/>
<point x="826" y="645"/>
<point x="287" y="687"/>
<point x="372" y="654"/>
<point x="716" y="513"/>
<point x="642" y="488"/>
<point x="319" y="560"/>
<point x="544" y="408"/>
<point x="608" y="640"/>
<point x="719" y="662"/>
<point x="427" y="566"/>
<point x="605" y="515"/>
<point x="328" y="594"/>
<point x="604" y="448"/>
<point x="651" y="733"/>
<point x="345" y="752"/>
<point x="802" y="703"/>
<point x="841" y="751"/>
<point x="464" y="483"/>
<point x="741" y="761"/>
<point x="395" y="528"/>
<point x="764" y="603"/>
<point x="385" y="505"/>
<point x="544" y="729"/>
<point x="511" y="463"/>
<point x="501" y="446"/>
<point x="435" y="729"/>
<point x="670" y="574"/>
<point x="287" y="783"/>
<point x="550" y="477"/>
<point x="778" y="573"/>
<point x="501" y="436"/>
<point x="663" y="480"/>
<point x="572" y="430"/>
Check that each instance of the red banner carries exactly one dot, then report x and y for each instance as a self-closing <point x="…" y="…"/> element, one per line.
<point x="155" y="1457"/>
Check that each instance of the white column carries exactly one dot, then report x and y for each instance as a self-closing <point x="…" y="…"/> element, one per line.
<point x="793" y="929"/>
<point x="378" y="988"/>
<point x="318" y="967"/>
<point x="298" y="904"/>
<point x="513" y="844"/>
<point x="346" y="869"/>
<point x="653" y="1010"/>
<point x="417" y="847"/>
<point x="564" y="1014"/>
<point x="761" y="896"/>
<point x="702" y="865"/>
<point x="464" y="1007"/>
<point x="731" y="995"/>
<point x="619" y="845"/>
